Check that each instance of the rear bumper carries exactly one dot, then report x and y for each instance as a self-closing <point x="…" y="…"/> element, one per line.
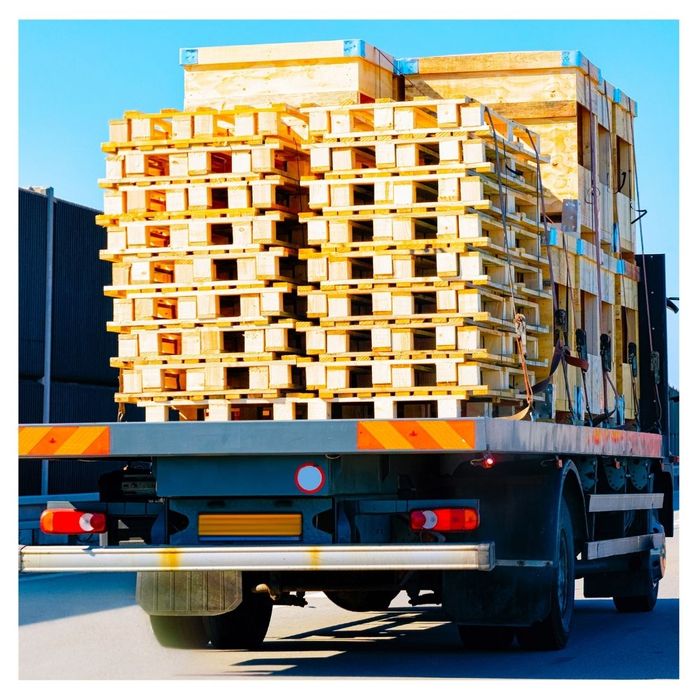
<point x="475" y="557"/>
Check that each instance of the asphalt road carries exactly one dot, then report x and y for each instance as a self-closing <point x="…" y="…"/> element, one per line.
<point x="87" y="626"/>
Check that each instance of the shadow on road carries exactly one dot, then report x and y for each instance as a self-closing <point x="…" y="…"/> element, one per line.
<point x="51" y="597"/>
<point x="403" y="643"/>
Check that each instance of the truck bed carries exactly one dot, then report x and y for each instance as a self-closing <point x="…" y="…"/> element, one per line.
<point x="260" y="438"/>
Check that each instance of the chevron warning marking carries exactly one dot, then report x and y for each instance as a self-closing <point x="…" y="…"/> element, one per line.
<point x="63" y="441"/>
<point x="423" y="435"/>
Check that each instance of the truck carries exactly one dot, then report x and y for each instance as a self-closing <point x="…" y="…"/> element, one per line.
<point x="492" y="518"/>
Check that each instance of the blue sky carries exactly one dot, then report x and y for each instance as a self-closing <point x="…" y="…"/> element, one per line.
<point x="76" y="75"/>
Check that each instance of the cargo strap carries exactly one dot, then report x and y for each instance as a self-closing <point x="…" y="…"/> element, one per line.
<point x="561" y="352"/>
<point x="518" y="318"/>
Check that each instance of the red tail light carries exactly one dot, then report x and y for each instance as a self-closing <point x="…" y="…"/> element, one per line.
<point x="445" y="519"/>
<point x="66" y="521"/>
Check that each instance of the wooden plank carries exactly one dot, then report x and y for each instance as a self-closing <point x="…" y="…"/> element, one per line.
<point x="240" y="55"/>
<point x="545" y="109"/>
<point x="501" y="86"/>
<point x="488" y="62"/>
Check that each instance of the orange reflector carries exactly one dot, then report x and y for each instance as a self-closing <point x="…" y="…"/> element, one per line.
<point x="63" y="440"/>
<point x="445" y="519"/>
<point x="250" y="524"/>
<point x="66" y="521"/>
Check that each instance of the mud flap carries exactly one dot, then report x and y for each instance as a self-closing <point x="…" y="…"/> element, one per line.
<point x="188" y="592"/>
<point x="505" y="596"/>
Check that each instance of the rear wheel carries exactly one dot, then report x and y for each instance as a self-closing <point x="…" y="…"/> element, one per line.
<point x="485" y="638"/>
<point x="179" y="631"/>
<point x="244" y="627"/>
<point x="553" y="632"/>
<point x="362" y="601"/>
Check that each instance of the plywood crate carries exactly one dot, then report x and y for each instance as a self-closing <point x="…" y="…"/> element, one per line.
<point x="321" y="72"/>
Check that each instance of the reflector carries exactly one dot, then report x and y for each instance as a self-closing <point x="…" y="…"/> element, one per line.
<point x="310" y="478"/>
<point x="67" y="521"/>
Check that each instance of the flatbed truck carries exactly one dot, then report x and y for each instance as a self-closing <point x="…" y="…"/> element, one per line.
<point x="492" y="518"/>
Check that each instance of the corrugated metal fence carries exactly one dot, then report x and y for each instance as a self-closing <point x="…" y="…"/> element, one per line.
<point x="82" y="382"/>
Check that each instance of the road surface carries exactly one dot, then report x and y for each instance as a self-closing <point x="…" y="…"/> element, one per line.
<point x="87" y="626"/>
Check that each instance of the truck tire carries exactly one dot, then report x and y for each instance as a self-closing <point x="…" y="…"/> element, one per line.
<point x="179" y="632"/>
<point x="638" y="603"/>
<point x="478" y="638"/>
<point x="244" y="627"/>
<point x="553" y="632"/>
<point x="362" y="601"/>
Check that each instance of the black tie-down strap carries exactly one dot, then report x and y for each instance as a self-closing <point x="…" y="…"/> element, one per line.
<point x="561" y="352"/>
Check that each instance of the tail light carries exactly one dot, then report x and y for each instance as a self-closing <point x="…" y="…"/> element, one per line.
<point x="67" y="521"/>
<point x="445" y="519"/>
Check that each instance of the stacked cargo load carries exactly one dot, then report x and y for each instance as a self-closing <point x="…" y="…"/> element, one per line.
<point x="424" y="249"/>
<point x="443" y="236"/>
<point x="201" y="212"/>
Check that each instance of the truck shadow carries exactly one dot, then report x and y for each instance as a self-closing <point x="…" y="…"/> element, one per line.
<point x="45" y="597"/>
<point x="405" y="643"/>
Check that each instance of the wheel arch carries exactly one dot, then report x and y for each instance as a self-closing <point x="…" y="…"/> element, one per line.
<point x="572" y="491"/>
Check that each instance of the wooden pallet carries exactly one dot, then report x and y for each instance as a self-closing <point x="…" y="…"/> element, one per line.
<point x="383" y="340"/>
<point x="310" y="407"/>
<point x="214" y="376"/>
<point x="172" y="162"/>
<point x="429" y="191"/>
<point x="441" y="403"/>
<point x="269" y="192"/>
<point x="432" y="264"/>
<point x="366" y="376"/>
<point x="204" y="342"/>
<point x="166" y="269"/>
<point x="226" y="305"/>
<point x="325" y="72"/>
<point x="418" y="116"/>
<point x="206" y="234"/>
<point x="421" y="302"/>
<point x="475" y="228"/>
<point x="195" y="128"/>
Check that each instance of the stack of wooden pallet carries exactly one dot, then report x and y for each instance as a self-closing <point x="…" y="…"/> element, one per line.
<point x="201" y="212"/>
<point x="417" y="267"/>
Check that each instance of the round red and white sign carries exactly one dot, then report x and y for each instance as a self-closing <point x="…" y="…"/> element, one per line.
<point x="310" y="478"/>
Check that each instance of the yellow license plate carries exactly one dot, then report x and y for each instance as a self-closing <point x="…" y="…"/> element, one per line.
<point x="250" y="524"/>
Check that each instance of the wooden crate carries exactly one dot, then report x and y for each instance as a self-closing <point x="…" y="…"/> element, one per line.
<point x="322" y="72"/>
<point x="563" y="97"/>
